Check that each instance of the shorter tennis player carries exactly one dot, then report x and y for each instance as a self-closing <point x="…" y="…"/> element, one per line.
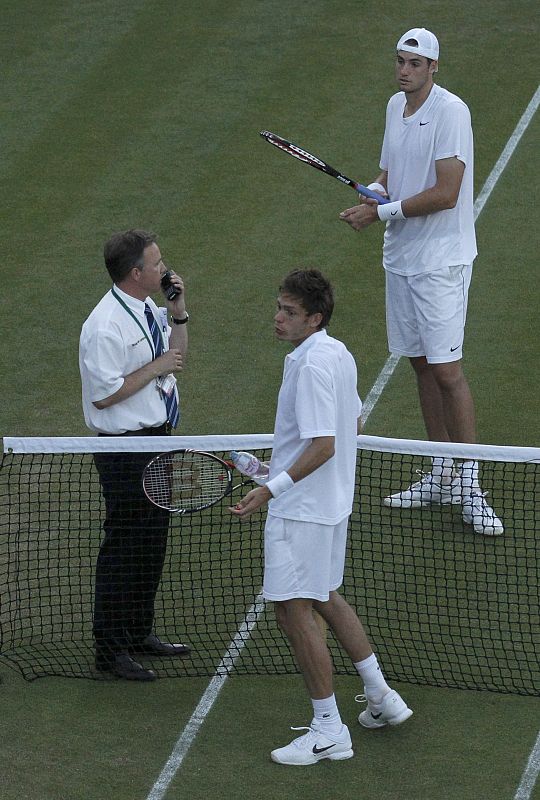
<point x="310" y="494"/>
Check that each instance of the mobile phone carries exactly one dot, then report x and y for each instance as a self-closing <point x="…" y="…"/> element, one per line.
<point x="169" y="289"/>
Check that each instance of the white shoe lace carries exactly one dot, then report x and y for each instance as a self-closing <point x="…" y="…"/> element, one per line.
<point x="478" y="499"/>
<point x="306" y="738"/>
<point x="425" y="477"/>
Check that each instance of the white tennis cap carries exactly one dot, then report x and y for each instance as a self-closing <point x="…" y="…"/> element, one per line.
<point x="425" y="43"/>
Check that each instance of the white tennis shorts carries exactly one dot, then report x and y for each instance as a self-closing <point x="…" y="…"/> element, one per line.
<point x="425" y="314"/>
<point x="303" y="559"/>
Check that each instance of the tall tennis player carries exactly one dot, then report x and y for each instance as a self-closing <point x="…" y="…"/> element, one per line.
<point x="429" y="248"/>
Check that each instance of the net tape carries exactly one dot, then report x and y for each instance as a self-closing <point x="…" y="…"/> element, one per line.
<point x="442" y="605"/>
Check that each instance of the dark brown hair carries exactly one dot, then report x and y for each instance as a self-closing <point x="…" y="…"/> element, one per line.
<point x="125" y="250"/>
<point x="313" y="290"/>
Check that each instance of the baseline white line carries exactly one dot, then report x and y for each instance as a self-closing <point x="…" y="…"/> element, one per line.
<point x="530" y="775"/>
<point x="216" y="684"/>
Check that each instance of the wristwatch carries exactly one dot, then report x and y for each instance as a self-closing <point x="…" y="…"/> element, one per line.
<point x="180" y="321"/>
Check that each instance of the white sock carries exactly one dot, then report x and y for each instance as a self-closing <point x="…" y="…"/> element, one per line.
<point x="375" y="686"/>
<point x="469" y="477"/>
<point x="326" y="715"/>
<point x="443" y="469"/>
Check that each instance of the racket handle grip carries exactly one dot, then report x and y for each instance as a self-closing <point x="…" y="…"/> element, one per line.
<point x="363" y="190"/>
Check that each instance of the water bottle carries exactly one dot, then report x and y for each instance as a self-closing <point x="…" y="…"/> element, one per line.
<point x="249" y="465"/>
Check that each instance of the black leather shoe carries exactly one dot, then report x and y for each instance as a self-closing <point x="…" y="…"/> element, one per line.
<point x="153" y="646"/>
<point x="123" y="666"/>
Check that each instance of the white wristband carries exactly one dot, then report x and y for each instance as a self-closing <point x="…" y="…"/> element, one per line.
<point x="377" y="187"/>
<point x="280" y="484"/>
<point x="390" y="211"/>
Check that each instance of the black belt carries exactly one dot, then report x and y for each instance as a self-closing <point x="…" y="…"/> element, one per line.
<point x="161" y="430"/>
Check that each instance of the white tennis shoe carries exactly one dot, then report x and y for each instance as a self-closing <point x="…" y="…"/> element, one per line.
<point x="480" y="515"/>
<point x="392" y="710"/>
<point x="428" y="490"/>
<point x="314" y="746"/>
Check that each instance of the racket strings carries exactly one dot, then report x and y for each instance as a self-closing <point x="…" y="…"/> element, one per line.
<point x="182" y="481"/>
<point x="293" y="150"/>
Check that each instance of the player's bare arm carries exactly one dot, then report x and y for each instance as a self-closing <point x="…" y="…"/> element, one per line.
<point x="320" y="450"/>
<point x="442" y="195"/>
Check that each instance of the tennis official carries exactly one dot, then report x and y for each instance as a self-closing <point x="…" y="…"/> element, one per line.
<point x="428" y="253"/>
<point x="129" y="357"/>
<point x="310" y="494"/>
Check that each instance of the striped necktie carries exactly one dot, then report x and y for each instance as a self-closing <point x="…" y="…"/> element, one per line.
<point x="171" y="401"/>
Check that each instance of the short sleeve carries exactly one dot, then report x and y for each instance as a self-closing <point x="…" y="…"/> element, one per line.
<point x="103" y="353"/>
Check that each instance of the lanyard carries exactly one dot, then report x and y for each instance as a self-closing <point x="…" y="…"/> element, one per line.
<point x="132" y="315"/>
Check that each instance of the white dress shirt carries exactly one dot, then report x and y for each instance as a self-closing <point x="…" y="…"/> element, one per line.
<point x="113" y="344"/>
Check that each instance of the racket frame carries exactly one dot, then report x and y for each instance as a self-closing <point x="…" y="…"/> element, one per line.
<point x="314" y="161"/>
<point x="169" y="456"/>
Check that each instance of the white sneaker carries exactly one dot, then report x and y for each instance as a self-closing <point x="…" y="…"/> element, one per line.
<point x="480" y="515"/>
<point x="426" y="491"/>
<point x="392" y="710"/>
<point x="313" y="746"/>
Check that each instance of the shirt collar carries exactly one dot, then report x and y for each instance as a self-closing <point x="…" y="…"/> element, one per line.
<point x="131" y="302"/>
<point x="299" y="351"/>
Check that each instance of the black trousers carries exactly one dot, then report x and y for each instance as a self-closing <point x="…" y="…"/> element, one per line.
<point x="132" y="553"/>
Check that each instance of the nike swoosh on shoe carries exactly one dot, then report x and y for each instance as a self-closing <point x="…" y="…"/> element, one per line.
<point x="318" y="750"/>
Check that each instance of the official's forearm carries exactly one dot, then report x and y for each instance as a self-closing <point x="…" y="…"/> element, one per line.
<point x="133" y="383"/>
<point x="179" y="338"/>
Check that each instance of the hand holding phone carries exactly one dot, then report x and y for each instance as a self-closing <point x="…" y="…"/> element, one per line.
<point x="169" y="289"/>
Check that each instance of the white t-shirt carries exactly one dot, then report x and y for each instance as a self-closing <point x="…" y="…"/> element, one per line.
<point x="441" y="128"/>
<point x="318" y="397"/>
<point x="112" y="345"/>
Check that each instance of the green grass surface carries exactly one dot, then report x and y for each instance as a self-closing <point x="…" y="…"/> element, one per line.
<point x="147" y="113"/>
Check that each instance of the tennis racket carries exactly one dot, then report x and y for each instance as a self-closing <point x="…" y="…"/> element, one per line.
<point x="186" y="481"/>
<point x="308" y="158"/>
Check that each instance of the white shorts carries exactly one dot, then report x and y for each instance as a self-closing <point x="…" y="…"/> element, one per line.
<point x="303" y="559"/>
<point x="425" y="314"/>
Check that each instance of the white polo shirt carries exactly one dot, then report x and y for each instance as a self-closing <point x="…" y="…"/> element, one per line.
<point x="318" y="397"/>
<point x="441" y="128"/>
<point x="112" y="345"/>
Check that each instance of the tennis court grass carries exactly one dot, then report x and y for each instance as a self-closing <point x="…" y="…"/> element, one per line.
<point x="147" y="113"/>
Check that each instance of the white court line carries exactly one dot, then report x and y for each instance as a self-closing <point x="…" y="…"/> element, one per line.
<point x="506" y="154"/>
<point x="206" y="702"/>
<point x="217" y="683"/>
<point x="528" y="779"/>
<point x="378" y="387"/>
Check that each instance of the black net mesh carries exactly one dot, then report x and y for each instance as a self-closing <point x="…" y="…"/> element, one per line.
<point x="443" y="605"/>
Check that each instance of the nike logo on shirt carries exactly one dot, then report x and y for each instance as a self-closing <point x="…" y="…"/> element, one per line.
<point x="424" y="123"/>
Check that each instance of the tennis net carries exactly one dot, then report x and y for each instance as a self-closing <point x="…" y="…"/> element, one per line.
<point x="443" y="606"/>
